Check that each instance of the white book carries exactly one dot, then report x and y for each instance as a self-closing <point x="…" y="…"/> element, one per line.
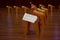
<point x="29" y="17"/>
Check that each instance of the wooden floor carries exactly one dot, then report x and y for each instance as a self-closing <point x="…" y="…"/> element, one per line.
<point x="12" y="28"/>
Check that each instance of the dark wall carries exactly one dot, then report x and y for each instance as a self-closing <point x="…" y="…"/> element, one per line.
<point x="3" y="3"/>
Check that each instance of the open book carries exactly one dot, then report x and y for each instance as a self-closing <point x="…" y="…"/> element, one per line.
<point x="29" y="17"/>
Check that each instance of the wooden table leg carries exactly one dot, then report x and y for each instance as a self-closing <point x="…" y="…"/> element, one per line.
<point x="42" y="26"/>
<point x="17" y="11"/>
<point x="9" y="10"/>
<point x="26" y="27"/>
<point x="36" y="28"/>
